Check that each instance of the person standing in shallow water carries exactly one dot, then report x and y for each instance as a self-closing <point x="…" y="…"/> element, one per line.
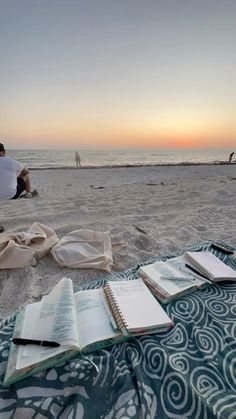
<point x="231" y="157"/>
<point x="77" y="159"/>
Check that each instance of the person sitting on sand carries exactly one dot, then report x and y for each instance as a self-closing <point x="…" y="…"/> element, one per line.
<point x="77" y="159"/>
<point x="14" y="178"/>
<point x="231" y="157"/>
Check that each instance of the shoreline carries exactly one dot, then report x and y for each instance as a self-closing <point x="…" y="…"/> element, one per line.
<point x="126" y="166"/>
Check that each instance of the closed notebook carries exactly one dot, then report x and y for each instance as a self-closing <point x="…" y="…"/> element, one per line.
<point x="211" y="266"/>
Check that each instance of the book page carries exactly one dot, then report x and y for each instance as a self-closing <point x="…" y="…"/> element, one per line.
<point x="168" y="277"/>
<point x="53" y="319"/>
<point x="139" y="309"/>
<point x="95" y="321"/>
<point x="192" y="277"/>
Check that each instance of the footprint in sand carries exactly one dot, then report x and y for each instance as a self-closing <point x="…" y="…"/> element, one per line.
<point x="142" y="243"/>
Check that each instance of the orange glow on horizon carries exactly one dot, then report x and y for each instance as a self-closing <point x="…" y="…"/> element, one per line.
<point x="117" y="141"/>
<point x="96" y="131"/>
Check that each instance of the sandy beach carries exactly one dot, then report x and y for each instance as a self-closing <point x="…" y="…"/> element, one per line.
<point x="151" y="210"/>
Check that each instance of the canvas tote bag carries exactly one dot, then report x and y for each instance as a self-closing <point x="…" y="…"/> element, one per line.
<point x="84" y="249"/>
<point x="24" y="248"/>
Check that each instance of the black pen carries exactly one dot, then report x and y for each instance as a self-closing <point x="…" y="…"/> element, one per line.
<point x="194" y="270"/>
<point x="221" y="248"/>
<point x="22" y="341"/>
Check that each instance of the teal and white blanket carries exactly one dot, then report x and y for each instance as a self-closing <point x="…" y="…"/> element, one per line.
<point x="187" y="372"/>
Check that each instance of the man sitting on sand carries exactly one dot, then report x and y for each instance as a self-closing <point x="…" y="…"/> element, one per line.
<point x="14" y="178"/>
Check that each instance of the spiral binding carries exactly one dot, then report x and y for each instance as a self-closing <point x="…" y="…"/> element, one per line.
<point x="119" y="318"/>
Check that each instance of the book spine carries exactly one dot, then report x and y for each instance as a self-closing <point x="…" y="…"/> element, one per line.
<point x="161" y="297"/>
<point x="156" y="286"/>
<point x="114" y="306"/>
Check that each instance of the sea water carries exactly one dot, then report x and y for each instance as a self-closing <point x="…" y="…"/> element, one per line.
<point x="40" y="159"/>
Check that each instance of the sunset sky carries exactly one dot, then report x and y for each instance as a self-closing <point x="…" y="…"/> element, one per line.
<point x="117" y="73"/>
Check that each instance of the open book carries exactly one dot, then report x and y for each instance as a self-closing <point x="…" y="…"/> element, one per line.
<point x="81" y="322"/>
<point x="171" y="278"/>
<point x="211" y="266"/>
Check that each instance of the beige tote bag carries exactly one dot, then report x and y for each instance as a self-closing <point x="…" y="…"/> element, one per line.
<point x="84" y="249"/>
<point x="18" y="250"/>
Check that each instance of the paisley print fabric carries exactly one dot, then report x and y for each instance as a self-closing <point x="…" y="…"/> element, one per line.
<point x="187" y="372"/>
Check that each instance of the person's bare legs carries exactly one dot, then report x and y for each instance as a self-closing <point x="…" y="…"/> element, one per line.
<point x="27" y="182"/>
<point x="25" y="175"/>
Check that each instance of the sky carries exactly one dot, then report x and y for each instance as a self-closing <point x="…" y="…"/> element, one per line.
<point x="117" y="73"/>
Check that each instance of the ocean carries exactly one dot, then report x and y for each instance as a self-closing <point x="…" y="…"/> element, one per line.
<point x="48" y="159"/>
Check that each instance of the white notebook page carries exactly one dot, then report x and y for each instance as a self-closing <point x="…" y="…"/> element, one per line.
<point x="137" y="305"/>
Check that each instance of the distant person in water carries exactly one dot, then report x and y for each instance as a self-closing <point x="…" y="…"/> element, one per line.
<point x="231" y="157"/>
<point x="77" y="159"/>
<point x="14" y="178"/>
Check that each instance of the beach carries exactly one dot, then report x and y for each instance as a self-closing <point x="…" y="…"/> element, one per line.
<point x="149" y="211"/>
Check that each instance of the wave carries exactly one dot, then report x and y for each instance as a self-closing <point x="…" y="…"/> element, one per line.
<point x="110" y="166"/>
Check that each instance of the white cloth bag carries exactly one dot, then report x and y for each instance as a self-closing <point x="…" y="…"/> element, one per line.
<point x="24" y="248"/>
<point x="84" y="249"/>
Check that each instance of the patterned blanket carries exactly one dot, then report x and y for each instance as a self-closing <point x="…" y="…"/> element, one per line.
<point x="187" y="372"/>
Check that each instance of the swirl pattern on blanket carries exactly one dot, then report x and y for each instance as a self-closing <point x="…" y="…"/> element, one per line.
<point x="186" y="372"/>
